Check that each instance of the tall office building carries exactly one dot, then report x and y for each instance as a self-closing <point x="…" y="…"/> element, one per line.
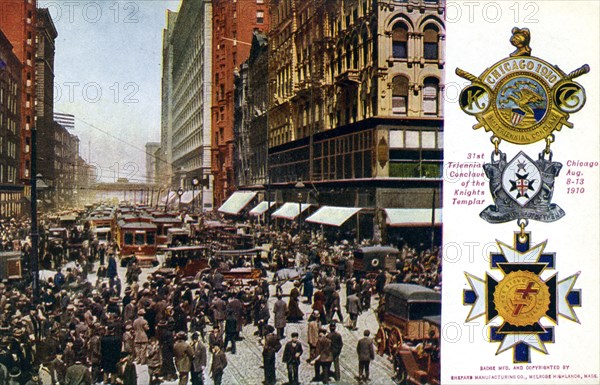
<point x="18" y="22"/>
<point x="234" y="23"/>
<point x="191" y="50"/>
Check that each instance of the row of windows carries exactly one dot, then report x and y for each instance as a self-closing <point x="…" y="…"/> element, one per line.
<point x="400" y="46"/>
<point x="8" y="174"/>
<point x="400" y="95"/>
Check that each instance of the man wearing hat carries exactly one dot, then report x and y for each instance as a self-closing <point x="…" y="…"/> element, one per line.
<point x="110" y="351"/>
<point x="140" y="326"/>
<point x="336" y="349"/>
<point x="183" y="357"/>
<point x="291" y="357"/>
<point x="270" y="349"/>
<point x="199" y="360"/>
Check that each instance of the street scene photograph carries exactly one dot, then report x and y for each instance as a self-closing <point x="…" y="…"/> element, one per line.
<point x="235" y="192"/>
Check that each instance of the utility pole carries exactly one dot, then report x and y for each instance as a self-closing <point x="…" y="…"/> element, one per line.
<point x="33" y="265"/>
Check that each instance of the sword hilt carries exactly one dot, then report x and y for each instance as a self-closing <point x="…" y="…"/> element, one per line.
<point x="584" y="69"/>
<point x="465" y="75"/>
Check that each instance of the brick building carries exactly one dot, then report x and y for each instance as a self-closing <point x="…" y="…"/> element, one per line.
<point x="18" y="22"/>
<point x="233" y="25"/>
<point x="11" y="190"/>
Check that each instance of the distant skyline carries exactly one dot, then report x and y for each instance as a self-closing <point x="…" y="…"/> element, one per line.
<point x="108" y="74"/>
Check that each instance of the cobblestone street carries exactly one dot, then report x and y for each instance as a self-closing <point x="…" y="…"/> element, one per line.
<point x="245" y="367"/>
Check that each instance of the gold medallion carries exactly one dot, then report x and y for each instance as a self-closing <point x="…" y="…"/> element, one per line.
<point x="522" y="99"/>
<point x="522" y="298"/>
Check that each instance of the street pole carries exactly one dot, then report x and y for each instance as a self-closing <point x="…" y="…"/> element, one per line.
<point x="35" y="277"/>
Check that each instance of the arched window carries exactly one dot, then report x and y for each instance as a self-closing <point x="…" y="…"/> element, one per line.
<point x="431" y="88"/>
<point x="399" y="95"/>
<point x="400" y="41"/>
<point x="430" y="42"/>
<point x="339" y="60"/>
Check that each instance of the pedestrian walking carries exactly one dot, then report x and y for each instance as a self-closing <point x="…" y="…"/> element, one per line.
<point x="291" y="357"/>
<point x="280" y="316"/>
<point x="183" y="354"/>
<point x="140" y="327"/>
<point x="154" y="361"/>
<point x="324" y="358"/>
<point x="313" y="334"/>
<point x="231" y="332"/>
<point x="270" y="349"/>
<point x="353" y="308"/>
<point x="336" y="349"/>
<point x="366" y="354"/>
<point x="198" y="361"/>
<point x="218" y="365"/>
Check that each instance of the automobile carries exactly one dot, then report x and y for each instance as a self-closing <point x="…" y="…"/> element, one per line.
<point x="370" y="259"/>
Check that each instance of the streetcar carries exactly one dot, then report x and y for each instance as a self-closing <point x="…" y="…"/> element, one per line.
<point x="137" y="237"/>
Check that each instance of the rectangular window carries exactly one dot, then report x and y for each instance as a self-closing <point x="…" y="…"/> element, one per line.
<point x="399" y="105"/>
<point x="260" y="17"/>
<point x="128" y="238"/>
<point x="150" y="238"/>
<point x="399" y="49"/>
<point x="140" y="238"/>
<point x="430" y="51"/>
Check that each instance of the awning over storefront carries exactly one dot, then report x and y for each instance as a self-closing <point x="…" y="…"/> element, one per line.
<point x="186" y="198"/>
<point x="236" y="202"/>
<point x="290" y="211"/>
<point x="412" y="217"/>
<point x="261" y="208"/>
<point x="333" y="215"/>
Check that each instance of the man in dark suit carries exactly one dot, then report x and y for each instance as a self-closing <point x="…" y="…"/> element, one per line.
<point x="218" y="365"/>
<point x="110" y="353"/>
<point x="366" y="354"/>
<point x="199" y="360"/>
<point x="272" y="346"/>
<point x="336" y="349"/>
<point x="291" y="357"/>
<point x="78" y="374"/>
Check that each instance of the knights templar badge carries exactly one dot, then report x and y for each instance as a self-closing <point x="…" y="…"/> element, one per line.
<point x="527" y="302"/>
<point x="523" y="100"/>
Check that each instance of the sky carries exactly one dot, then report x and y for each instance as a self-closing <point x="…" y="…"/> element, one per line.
<point x="108" y="74"/>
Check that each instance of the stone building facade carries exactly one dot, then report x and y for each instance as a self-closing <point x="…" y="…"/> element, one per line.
<point x="191" y="87"/>
<point x="357" y="112"/>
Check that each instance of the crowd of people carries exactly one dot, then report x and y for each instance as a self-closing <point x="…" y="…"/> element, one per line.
<point x="84" y="332"/>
